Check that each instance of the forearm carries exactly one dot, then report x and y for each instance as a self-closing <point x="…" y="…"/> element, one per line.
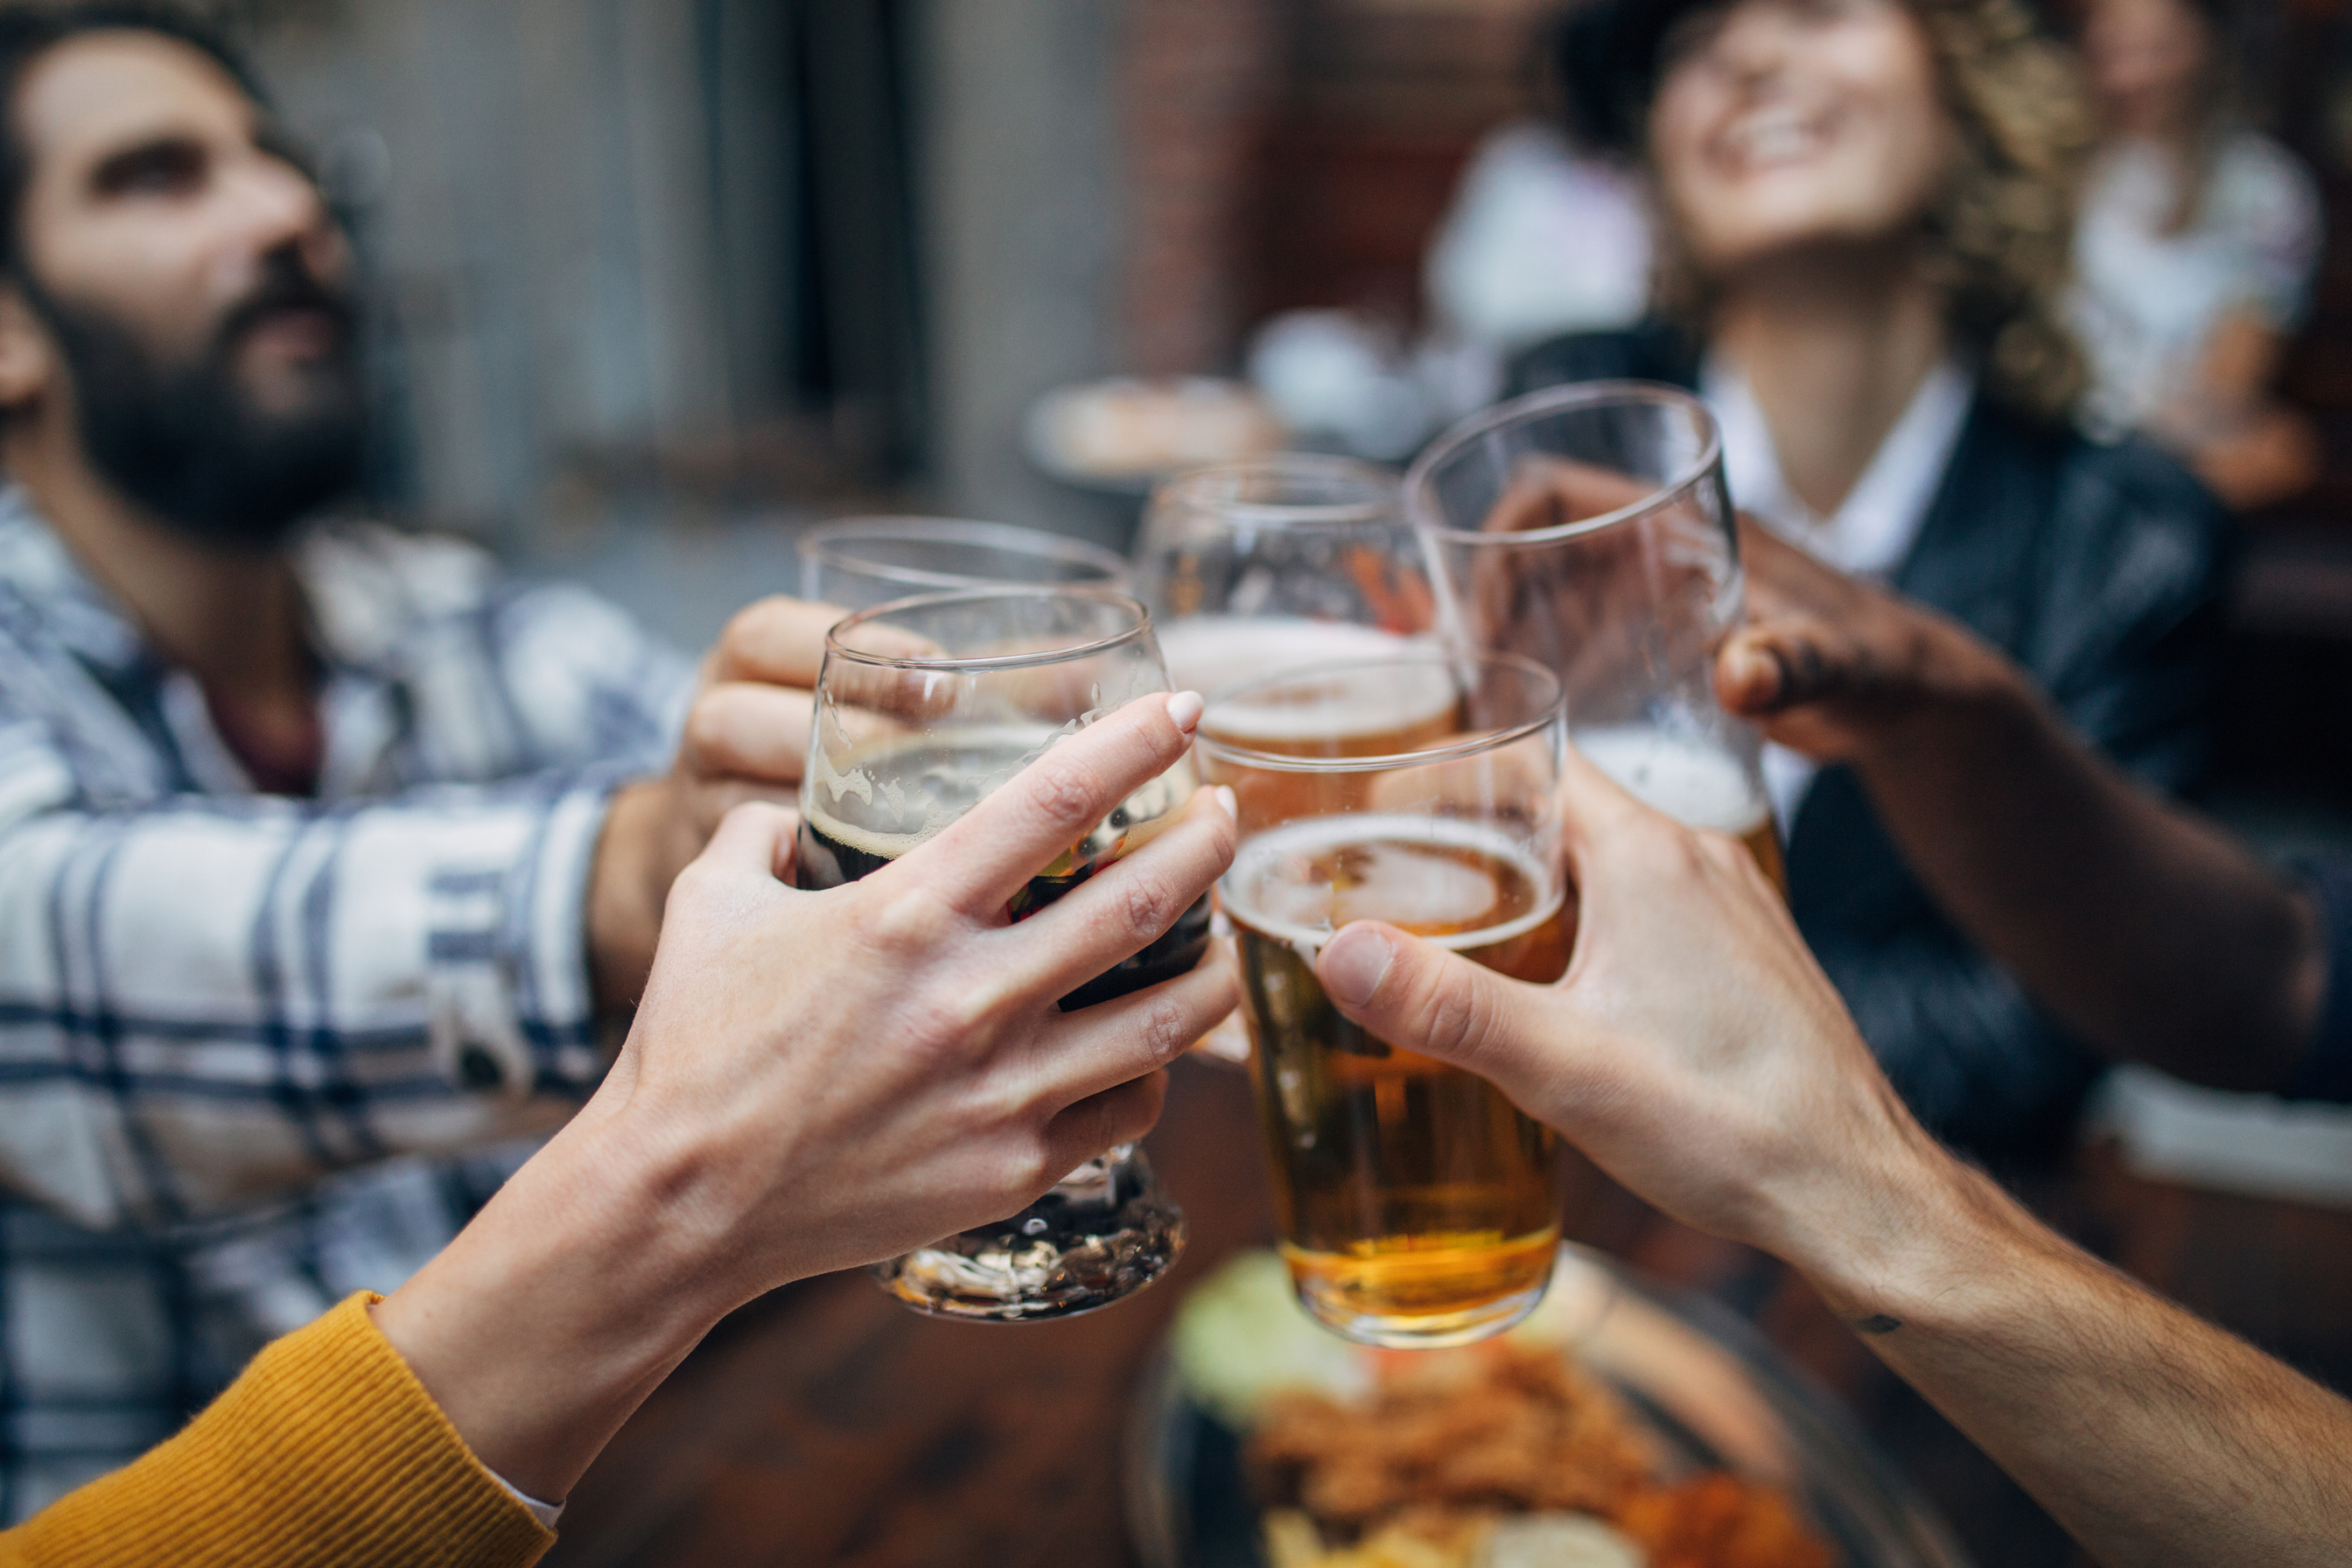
<point x="2146" y="931"/>
<point x="2154" y="1438"/>
<point x="566" y="1301"/>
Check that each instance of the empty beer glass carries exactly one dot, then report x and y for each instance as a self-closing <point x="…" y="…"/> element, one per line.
<point x="1419" y="1207"/>
<point x="1588" y="528"/>
<point x="923" y="708"/>
<point x="862" y="562"/>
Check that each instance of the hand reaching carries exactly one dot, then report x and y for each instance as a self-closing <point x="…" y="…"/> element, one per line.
<point x="816" y="1081"/>
<point x="1693" y="1048"/>
<point x="1831" y="666"/>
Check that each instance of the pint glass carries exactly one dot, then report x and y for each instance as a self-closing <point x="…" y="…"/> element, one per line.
<point x="1257" y="566"/>
<point x="862" y="562"/>
<point x="923" y="708"/>
<point x="1588" y="528"/>
<point x="1419" y="1207"/>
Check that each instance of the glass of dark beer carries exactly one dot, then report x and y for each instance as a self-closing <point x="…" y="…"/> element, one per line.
<point x="923" y="708"/>
<point x="1419" y="1207"/>
<point x="862" y="562"/>
<point x="1588" y="528"/>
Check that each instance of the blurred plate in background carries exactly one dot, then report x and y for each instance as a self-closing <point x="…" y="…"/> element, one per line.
<point x="1703" y="1391"/>
<point x="1124" y="433"/>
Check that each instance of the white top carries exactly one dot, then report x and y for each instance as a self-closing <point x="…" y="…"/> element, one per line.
<point x="2146" y="301"/>
<point x="1540" y="240"/>
<point x="1871" y="533"/>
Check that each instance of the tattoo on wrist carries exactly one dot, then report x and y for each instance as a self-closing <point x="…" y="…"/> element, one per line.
<point x="1877" y="1323"/>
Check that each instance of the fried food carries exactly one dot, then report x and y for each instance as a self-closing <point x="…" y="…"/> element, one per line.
<point x="1718" y="1520"/>
<point x="1419" y="1475"/>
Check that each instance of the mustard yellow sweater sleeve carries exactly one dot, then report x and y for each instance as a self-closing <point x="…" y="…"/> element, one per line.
<point x="327" y="1452"/>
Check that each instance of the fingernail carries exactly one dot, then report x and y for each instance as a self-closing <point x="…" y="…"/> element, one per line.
<point x="1185" y="708"/>
<point x="1352" y="966"/>
<point x="1224" y="793"/>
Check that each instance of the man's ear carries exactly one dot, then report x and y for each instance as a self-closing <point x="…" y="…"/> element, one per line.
<point x="28" y="361"/>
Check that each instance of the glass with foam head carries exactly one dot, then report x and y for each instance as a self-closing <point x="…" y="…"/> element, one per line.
<point x="1270" y="562"/>
<point x="1419" y="1206"/>
<point x="1256" y="566"/>
<point x="862" y="562"/>
<point x="1588" y="528"/>
<point x="924" y="707"/>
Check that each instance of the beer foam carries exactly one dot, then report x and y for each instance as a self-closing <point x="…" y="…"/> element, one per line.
<point x="903" y="808"/>
<point x="1209" y="653"/>
<point x="1696" y="784"/>
<point x="898" y="811"/>
<point x="1404" y="887"/>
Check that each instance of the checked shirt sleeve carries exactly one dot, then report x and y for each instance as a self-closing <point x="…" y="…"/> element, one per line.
<point x="216" y="999"/>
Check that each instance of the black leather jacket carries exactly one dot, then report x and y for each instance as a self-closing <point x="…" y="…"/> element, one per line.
<point x="2098" y="569"/>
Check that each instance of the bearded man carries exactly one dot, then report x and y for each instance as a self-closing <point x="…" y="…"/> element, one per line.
<point x="318" y="862"/>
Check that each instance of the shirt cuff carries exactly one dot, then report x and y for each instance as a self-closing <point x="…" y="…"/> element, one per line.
<point x="513" y="1006"/>
<point x="547" y="1514"/>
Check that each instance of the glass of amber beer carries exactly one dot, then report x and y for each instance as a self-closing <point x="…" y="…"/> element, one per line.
<point x="1260" y="565"/>
<point x="1269" y="562"/>
<point x="1419" y="1206"/>
<point x="1588" y="528"/>
<point x="924" y="707"/>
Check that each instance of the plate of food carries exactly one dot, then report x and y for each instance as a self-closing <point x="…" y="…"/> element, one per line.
<point x="1619" y="1426"/>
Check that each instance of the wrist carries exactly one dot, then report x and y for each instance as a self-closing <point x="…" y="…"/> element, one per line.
<point x="1960" y="692"/>
<point x="551" y="1316"/>
<point x="1909" y="1244"/>
<point x="624" y="909"/>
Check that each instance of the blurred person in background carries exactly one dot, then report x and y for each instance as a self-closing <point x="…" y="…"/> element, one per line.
<point x="1866" y="212"/>
<point x="2197" y="244"/>
<point x="319" y="843"/>
<point x="1542" y="235"/>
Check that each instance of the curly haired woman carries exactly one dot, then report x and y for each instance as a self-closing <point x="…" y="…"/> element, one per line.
<point x="1868" y="208"/>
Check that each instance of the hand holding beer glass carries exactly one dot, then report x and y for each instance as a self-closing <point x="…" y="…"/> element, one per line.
<point x="1419" y="1206"/>
<point x="925" y="706"/>
<point x="1588" y="528"/>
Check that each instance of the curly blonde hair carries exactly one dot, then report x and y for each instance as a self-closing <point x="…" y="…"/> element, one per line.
<point x="2001" y="242"/>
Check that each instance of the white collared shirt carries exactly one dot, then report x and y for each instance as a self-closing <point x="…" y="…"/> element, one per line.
<point x="1871" y="532"/>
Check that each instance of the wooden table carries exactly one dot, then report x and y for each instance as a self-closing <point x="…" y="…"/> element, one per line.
<point x="827" y="1425"/>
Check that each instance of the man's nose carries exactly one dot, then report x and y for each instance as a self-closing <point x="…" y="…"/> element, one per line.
<point x="277" y="206"/>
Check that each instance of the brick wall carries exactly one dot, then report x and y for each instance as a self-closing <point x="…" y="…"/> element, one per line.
<point x="1199" y="79"/>
<point x="1283" y="153"/>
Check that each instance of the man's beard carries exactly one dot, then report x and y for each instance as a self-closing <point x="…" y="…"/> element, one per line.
<point x="188" y="442"/>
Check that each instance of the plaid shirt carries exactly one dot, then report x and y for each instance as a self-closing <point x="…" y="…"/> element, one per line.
<point x="242" y="1040"/>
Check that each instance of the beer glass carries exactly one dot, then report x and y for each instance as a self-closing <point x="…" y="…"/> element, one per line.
<point x="1255" y="566"/>
<point x="862" y="562"/>
<point x="1588" y="528"/>
<point x="1419" y="1207"/>
<point x="923" y="708"/>
<point x="1265" y="564"/>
